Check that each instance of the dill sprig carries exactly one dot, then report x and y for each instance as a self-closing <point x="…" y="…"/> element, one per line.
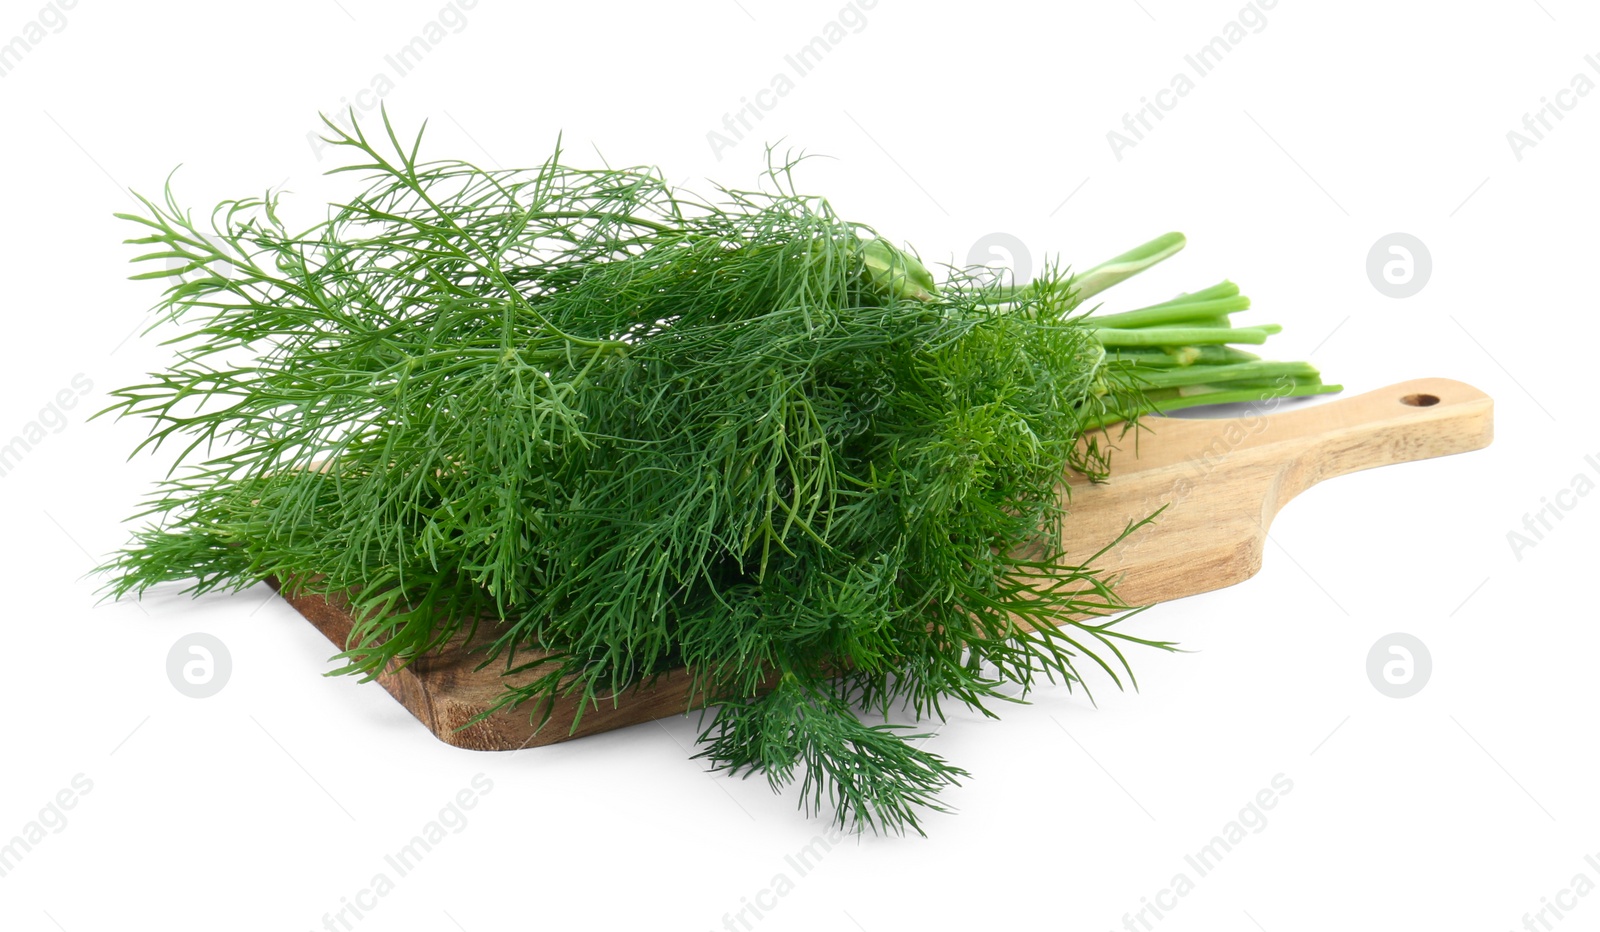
<point x="630" y="430"/>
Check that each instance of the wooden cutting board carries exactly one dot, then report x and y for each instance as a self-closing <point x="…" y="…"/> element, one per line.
<point x="1222" y="482"/>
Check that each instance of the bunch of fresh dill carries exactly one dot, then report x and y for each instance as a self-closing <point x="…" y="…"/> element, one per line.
<point x="630" y="430"/>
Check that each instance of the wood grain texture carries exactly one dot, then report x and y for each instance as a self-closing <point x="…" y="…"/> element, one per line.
<point x="1221" y="481"/>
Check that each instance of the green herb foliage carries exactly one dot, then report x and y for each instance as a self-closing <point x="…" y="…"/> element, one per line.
<point x="629" y="430"/>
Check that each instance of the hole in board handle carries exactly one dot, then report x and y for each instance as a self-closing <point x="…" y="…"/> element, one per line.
<point x="1420" y="401"/>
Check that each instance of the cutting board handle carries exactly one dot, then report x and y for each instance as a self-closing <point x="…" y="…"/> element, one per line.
<point x="1295" y="449"/>
<point x="1406" y="421"/>
<point x="1413" y="420"/>
<point x="1219" y="482"/>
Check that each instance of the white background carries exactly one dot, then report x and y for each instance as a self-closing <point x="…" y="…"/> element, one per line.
<point x="268" y="805"/>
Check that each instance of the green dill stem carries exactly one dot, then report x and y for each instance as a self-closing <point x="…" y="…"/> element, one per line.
<point x="1167" y="357"/>
<point x="1182" y="336"/>
<point x="1219" y="322"/>
<point x="1172" y="313"/>
<point x="1203" y="374"/>
<point x="1226" y="396"/>
<point x="1077" y="288"/>
<point x="1223" y="289"/>
<point x="1125" y="266"/>
<point x="1304" y="381"/>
